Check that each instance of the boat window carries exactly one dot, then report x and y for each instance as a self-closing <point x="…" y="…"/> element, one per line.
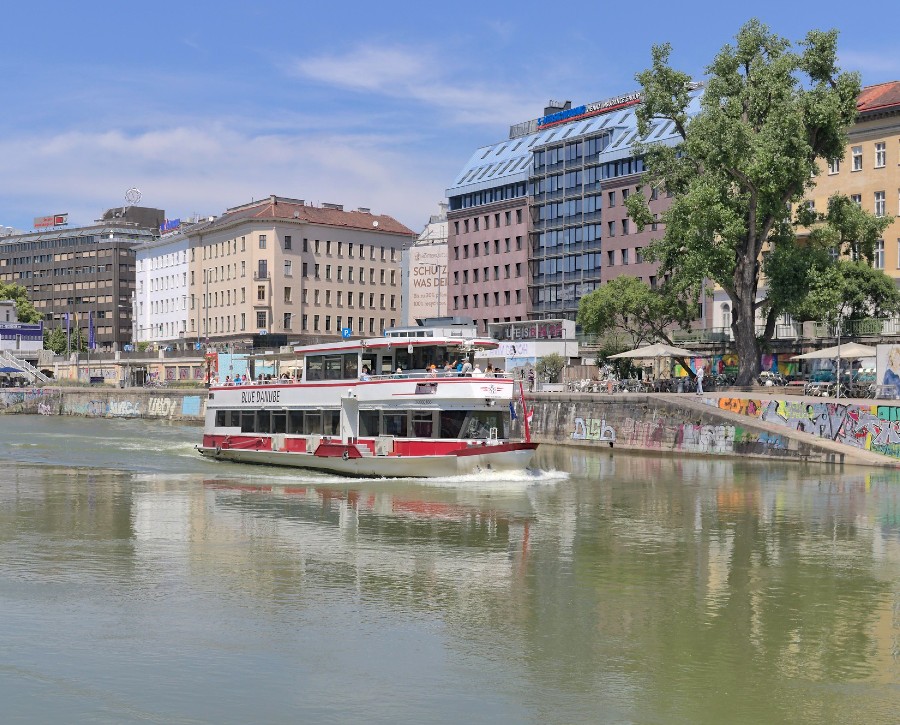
<point x="368" y="361"/>
<point x="248" y="422"/>
<point x="263" y="421"/>
<point x="331" y="421"/>
<point x="279" y="421"/>
<point x="314" y="366"/>
<point x="451" y="423"/>
<point x="387" y="365"/>
<point x="351" y="366"/>
<point x="368" y="422"/>
<point x="423" y="423"/>
<point x="235" y="421"/>
<point x="394" y="424"/>
<point x="312" y="423"/>
<point x="220" y="418"/>
<point x="295" y="422"/>
<point x="478" y="424"/>
<point x="334" y="365"/>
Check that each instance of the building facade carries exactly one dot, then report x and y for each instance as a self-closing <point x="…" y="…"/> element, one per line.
<point x="550" y="200"/>
<point x="85" y="272"/>
<point x="280" y="266"/>
<point x="161" y="292"/>
<point x="424" y="291"/>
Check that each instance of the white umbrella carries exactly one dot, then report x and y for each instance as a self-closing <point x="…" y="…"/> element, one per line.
<point x="850" y="351"/>
<point x="657" y="350"/>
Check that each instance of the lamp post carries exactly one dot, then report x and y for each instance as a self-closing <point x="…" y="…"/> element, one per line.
<point x="206" y="305"/>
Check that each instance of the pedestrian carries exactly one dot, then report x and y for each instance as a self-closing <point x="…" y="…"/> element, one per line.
<point x="700" y="379"/>
<point x="531" y="379"/>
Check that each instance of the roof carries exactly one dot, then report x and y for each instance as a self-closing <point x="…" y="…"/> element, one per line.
<point x="879" y="97"/>
<point x="275" y="208"/>
<point x="510" y="161"/>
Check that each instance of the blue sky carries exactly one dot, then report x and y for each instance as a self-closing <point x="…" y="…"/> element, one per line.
<point x="206" y="105"/>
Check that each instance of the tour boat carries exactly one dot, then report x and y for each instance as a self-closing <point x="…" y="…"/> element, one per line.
<point x="380" y="407"/>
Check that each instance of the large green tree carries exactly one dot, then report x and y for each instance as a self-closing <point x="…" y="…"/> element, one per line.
<point x="24" y="309"/>
<point x="769" y="114"/>
<point x="626" y="303"/>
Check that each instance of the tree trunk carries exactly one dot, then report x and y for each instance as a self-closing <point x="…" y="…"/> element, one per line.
<point x="743" y="325"/>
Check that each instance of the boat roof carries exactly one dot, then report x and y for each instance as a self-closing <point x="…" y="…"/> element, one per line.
<point x="386" y="343"/>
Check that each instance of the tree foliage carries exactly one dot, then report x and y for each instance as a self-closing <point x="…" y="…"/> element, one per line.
<point x="628" y="304"/>
<point x="549" y="367"/>
<point x="55" y="340"/>
<point x="24" y="309"/>
<point x="769" y="114"/>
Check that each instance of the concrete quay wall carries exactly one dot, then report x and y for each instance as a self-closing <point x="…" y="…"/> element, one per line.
<point x="106" y="402"/>
<point x="768" y="426"/>
<point x="740" y="424"/>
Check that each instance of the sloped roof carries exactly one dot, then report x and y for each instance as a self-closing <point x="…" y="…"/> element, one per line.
<point x="879" y="97"/>
<point x="280" y="208"/>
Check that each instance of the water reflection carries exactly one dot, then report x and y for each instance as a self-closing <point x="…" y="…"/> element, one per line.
<point x="615" y="587"/>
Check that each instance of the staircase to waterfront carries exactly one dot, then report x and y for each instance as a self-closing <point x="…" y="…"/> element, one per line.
<point x="7" y="358"/>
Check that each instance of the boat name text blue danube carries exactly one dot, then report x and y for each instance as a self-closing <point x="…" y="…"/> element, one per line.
<point x="260" y="396"/>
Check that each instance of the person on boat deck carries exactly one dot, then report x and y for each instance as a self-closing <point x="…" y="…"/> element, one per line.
<point x="365" y="373"/>
<point x="489" y="370"/>
<point x="458" y="366"/>
<point x="448" y="367"/>
<point x="476" y="370"/>
<point x="228" y="380"/>
<point x="238" y="380"/>
<point x="432" y="370"/>
<point x="466" y="368"/>
<point x="399" y="372"/>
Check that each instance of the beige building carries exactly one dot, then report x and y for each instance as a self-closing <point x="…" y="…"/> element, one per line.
<point x="869" y="173"/>
<point x="283" y="266"/>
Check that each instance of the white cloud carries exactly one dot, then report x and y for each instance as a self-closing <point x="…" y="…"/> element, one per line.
<point x="206" y="169"/>
<point x="417" y="76"/>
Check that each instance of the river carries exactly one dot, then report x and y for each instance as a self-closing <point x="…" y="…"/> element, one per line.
<point x="140" y="583"/>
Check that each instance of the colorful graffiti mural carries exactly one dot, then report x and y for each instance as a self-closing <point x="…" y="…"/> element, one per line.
<point x="868" y="427"/>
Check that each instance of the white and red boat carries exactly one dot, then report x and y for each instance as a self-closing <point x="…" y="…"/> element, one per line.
<point x="354" y="413"/>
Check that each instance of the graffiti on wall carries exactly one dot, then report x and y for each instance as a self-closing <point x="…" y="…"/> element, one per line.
<point x="593" y="429"/>
<point x="868" y="427"/>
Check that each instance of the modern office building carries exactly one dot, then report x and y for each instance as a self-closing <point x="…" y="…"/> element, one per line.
<point x="424" y="265"/>
<point x="548" y="201"/>
<point x="86" y="272"/>
<point x="283" y="267"/>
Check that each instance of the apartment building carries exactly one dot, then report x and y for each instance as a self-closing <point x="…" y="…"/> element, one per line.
<point x="284" y="266"/>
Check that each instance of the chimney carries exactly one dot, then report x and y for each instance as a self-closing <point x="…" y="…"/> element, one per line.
<point x="556" y="106"/>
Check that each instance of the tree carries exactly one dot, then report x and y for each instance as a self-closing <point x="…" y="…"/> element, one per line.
<point x="626" y="303"/>
<point x="768" y="115"/>
<point x="55" y="340"/>
<point x="846" y="290"/>
<point x="549" y="367"/>
<point x="24" y="309"/>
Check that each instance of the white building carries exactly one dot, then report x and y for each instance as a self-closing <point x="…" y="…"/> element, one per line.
<point x="18" y="337"/>
<point x="425" y="271"/>
<point x="161" y="292"/>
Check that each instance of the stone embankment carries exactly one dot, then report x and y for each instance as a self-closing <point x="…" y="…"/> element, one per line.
<point x="767" y="424"/>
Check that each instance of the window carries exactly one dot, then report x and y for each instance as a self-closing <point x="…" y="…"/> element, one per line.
<point x="305" y="270"/>
<point x="508" y="218"/>
<point x="316" y="295"/>
<point x="856" y="199"/>
<point x="638" y="255"/>
<point x="305" y="249"/>
<point x="261" y="292"/>
<point x="856" y="152"/>
<point x="456" y="228"/>
<point x="496" y="271"/>
<point x="624" y="256"/>
<point x="287" y="242"/>
<point x="315" y="323"/>
<point x="261" y="319"/>
<point x="475" y="224"/>
<point x="304" y="295"/>
<point x="834" y="167"/>
<point x="340" y="252"/>
<point x="262" y="241"/>
<point x="878" y="260"/>
<point x="519" y="243"/>
<point x="287" y="295"/>
<point x="879" y="203"/>
<point x="287" y="320"/>
<point x="610" y="258"/>
<point x="340" y="273"/>
<point x="612" y="228"/>
<point x="328" y="252"/>
<point x="328" y="272"/>
<point x="612" y="198"/>
<point x="518" y="298"/>
<point x="880" y="155"/>
<point x="655" y="223"/>
<point x="340" y="300"/>
<point x="506" y="271"/>
<point x="518" y="269"/>
<point x="625" y="226"/>
<point x="349" y="274"/>
<point x="316" y="271"/>
<point x="328" y="297"/>
<point x="316" y="246"/>
<point x="327" y="323"/>
<point x="287" y="268"/>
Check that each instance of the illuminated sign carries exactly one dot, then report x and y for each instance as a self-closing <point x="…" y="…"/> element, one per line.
<point x="53" y="220"/>
<point x="590" y="109"/>
<point x="169" y="224"/>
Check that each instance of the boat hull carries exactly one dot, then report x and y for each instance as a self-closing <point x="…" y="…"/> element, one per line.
<point x="474" y="459"/>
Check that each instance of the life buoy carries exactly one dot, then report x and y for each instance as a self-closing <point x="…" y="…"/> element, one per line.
<point x="345" y="455"/>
